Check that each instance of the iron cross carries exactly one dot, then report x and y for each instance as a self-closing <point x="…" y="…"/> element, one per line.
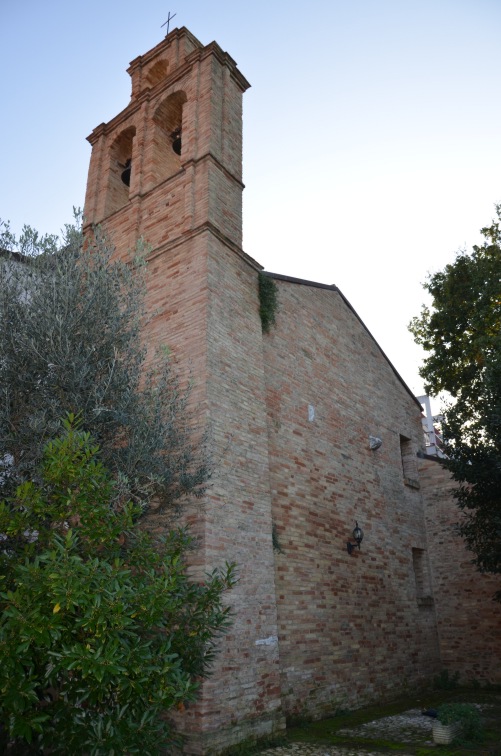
<point x="169" y="19"/>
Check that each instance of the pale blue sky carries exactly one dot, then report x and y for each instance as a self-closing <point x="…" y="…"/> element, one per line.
<point x="371" y="131"/>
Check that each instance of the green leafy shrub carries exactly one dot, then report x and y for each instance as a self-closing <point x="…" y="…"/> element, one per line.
<point x="466" y="715"/>
<point x="101" y="630"/>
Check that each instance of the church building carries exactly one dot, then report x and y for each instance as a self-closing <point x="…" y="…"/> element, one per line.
<point x="315" y="435"/>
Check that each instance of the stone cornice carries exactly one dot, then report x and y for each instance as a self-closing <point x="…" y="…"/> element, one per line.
<point x="206" y="227"/>
<point x="175" y="34"/>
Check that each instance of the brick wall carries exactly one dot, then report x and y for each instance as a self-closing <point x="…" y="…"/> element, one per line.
<point x="468" y="620"/>
<point x="243" y="697"/>
<point x="351" y="628"/>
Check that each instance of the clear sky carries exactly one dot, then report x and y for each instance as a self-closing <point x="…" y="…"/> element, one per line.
<point x="371" y="131"/>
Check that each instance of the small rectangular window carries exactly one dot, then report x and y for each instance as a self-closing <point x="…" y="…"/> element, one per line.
<point x="409" y="462"/>
<point x="422" y="577"/>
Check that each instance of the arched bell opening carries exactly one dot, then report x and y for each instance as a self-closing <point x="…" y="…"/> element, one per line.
<point x="120" y="170"/>
<point x="167" y="139"/>
<point x="156" y="73"/>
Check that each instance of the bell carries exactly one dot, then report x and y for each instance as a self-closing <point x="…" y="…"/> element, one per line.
<point x="176" y="145"/>
<point x="176" y="141"/>
<point x="126" y="172"/>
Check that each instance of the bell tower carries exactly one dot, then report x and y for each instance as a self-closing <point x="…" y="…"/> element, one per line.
<point x="168" y="168"/>
<point x="178" y="140"/>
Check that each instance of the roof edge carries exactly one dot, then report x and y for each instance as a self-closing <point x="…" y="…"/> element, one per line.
<point x="303" y="281"/>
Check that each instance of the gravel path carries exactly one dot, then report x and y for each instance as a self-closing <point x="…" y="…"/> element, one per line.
<point x="303" y="749"/>
<point x="409" y="727"/>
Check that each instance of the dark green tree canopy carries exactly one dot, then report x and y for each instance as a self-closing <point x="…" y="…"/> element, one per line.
<point x="70" y="341"/>
<point x="461" y="329"/>
<point x="461" y="332"/>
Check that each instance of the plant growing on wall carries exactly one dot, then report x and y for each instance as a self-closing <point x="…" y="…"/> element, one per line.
<point x="101" y="631"/>
<point x="268" y="301"/>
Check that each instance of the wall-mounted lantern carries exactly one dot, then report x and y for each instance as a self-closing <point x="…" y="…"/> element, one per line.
<point x="358" y="536"/>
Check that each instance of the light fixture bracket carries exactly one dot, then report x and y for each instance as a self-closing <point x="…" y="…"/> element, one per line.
<point x="358" y="536"/>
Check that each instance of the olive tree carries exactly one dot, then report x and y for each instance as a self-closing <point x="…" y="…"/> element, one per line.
<point x="70" y="341"/>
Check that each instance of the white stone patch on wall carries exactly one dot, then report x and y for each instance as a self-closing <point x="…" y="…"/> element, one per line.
<point x="271" y="641"/>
